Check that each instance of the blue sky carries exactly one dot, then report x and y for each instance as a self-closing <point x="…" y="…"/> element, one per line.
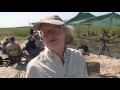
<point x="16" y="19"/>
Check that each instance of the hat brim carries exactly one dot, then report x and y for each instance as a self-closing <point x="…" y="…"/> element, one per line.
<point x="36" y="26"/>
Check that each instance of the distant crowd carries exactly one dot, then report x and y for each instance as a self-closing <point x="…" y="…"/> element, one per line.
<point x="14" y="51"/>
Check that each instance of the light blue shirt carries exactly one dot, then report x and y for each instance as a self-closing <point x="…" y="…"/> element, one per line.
<point x="49" y="65"/>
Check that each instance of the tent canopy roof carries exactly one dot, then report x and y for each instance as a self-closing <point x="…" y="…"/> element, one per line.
<point x="80" y="16"/>
<point x="111" y="19"/>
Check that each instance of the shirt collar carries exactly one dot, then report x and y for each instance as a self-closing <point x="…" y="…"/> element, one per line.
<point x="66" y="53"/>
<point x="51" y="54"/>
<point x="48" y="52"/>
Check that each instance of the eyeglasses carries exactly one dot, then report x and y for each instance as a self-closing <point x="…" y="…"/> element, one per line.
<point x="45" y="33"/>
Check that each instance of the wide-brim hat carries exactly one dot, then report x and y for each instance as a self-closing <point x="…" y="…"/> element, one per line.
<point x="54" y="19"/>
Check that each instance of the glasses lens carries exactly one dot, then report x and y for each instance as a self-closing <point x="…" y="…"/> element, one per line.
<point x="44" y="33"/>
<point x="52" y="31"/>
<point x="55" y="30"/>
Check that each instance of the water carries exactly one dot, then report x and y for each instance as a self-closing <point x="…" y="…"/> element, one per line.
<point x="96" y="47"/>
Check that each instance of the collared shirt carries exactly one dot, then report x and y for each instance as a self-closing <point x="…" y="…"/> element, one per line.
<point x="49" y="65"/>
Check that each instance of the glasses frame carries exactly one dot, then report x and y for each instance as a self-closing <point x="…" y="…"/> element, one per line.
<point x="52" y="31"/>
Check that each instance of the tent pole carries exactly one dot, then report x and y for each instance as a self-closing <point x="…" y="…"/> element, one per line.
<point x="79" y="37"/>
<point x="111" y="21"/>
<point x="104" y="41"/>
<point x="88" y="31"/>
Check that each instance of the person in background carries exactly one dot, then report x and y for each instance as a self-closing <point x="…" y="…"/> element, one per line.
<point x="57" y="60"/>
<point x="4" y="43"/>
<point x="31" y="31"/>
<point x="14" y="50"/>
<point x="38" y="43"/>
<point x="31" y="47"/>
<point x="84" y="49"/>
<point x="0" y="46"/>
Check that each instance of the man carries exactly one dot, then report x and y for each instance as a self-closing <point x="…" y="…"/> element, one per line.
<point x="56" y="61"/>
<point x="31" y="47"/>
<point x="14" y="50"/>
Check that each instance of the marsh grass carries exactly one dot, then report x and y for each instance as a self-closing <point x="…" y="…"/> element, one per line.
<point x="19" y="33"/>
<point x="87" y="30"/>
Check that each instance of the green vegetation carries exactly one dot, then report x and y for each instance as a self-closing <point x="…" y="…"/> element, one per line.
<point x="19" y="32"/>
<point x="96" y="31"/>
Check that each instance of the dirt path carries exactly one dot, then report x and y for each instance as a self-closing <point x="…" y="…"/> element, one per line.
<point x="108" y="66"/>
<point x="15" y="71"/>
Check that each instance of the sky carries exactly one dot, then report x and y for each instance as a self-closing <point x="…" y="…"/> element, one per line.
<point x="18" y="19"/>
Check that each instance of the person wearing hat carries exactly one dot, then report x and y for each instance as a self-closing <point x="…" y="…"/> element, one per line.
<point x="57" y="60"/>
<point x="14" y="50"/>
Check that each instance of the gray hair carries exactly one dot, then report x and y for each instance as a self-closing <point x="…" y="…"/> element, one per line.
<point x="68" y="30"/>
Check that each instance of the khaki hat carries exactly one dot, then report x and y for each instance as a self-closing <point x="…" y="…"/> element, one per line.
<point x="6" y="38"/>
<point x="54" y="19"/>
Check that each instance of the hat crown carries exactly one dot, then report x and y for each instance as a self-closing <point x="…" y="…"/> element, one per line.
<point x="53" y="17"/>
